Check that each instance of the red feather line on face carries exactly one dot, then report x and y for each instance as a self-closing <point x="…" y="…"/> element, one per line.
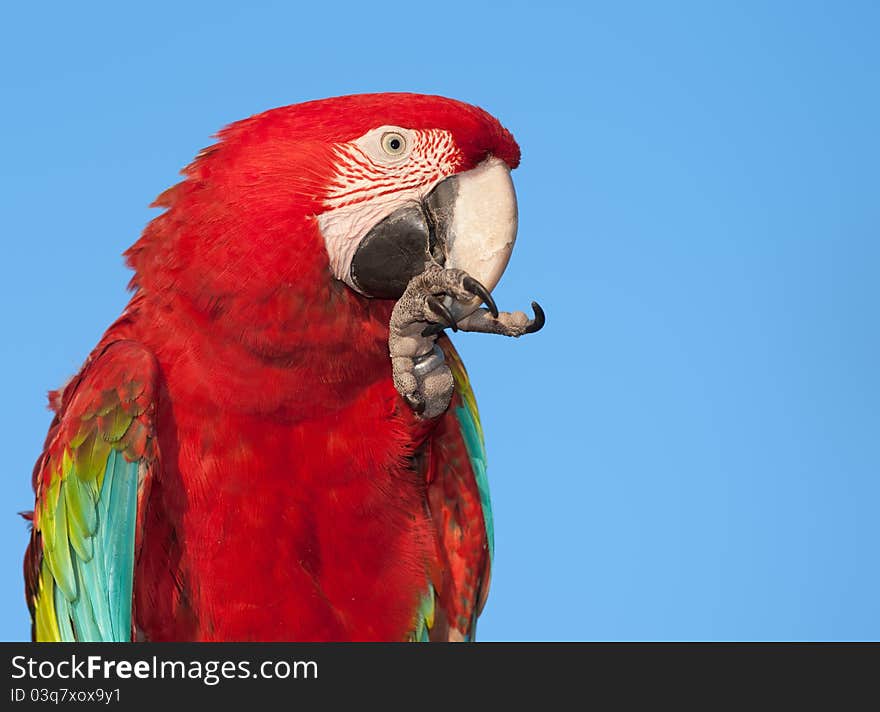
<point x="358" y="177"/>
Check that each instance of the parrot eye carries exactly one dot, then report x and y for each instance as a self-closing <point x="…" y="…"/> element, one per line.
<point x="393" y="143"/>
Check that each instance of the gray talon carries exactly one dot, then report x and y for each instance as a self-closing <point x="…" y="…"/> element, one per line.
<point x="539" y="320"/>
<point x="477" y="288"/>
<point x="438" y="307"/>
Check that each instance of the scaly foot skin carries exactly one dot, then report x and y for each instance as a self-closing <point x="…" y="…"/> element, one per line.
<point x="419" y="372"/>
<point x="506" y="323"/>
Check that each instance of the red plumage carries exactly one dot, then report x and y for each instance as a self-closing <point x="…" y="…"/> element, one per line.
<point x="293" y="494"/>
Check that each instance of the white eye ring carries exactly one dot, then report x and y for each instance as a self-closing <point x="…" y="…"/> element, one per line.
<point x="393" y="143"/>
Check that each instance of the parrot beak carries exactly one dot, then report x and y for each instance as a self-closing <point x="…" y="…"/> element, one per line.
<point x="467" y="222"/>
<point x="479" y="232"/>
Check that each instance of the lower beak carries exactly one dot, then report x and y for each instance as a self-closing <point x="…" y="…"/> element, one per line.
<point x="467" y="222"/>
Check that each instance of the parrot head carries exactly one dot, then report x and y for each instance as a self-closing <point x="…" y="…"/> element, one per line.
<point x="364" y="191"/>
<point x="430" y="184"/>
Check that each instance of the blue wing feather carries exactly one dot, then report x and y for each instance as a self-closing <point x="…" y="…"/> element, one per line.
<point x="85" y="527"/>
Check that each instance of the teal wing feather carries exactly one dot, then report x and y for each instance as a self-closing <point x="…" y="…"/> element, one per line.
<point x="93" y="475"/>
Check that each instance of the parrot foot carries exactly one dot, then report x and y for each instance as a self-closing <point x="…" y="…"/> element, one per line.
<point x="420" y="374"/>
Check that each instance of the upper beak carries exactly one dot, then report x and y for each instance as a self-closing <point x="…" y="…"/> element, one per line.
<point x="467" y="222"/>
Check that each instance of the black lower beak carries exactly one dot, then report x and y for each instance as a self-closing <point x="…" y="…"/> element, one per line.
<point x="400" y="247"/>
<point x="393" y="252"/>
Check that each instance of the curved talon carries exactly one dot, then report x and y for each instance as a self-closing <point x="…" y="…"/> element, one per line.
<point x="474" y="287"/>
<point x="539" y="320"/>
<point x="432" y="330"/>
<point x="439" y="307"/>
<point x="415" y="402"/>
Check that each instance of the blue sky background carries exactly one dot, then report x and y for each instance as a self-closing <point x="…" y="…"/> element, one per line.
<point x="690" y="449"/>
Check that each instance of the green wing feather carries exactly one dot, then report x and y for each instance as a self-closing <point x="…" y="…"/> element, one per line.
<point x="424" y="617"/>
<point x="89" y="480"/>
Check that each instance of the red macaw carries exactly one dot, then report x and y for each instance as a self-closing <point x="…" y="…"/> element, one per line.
<point x="276" y="440"/>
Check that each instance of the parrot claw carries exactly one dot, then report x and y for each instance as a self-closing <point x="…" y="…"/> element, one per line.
<point x="420" y="374"/>
<point x="538" y="322"/>
<point x="438" y="307"/>
<point x="479" y="290"/>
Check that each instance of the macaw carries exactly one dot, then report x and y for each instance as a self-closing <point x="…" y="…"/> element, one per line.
<point x="276" y="440"/>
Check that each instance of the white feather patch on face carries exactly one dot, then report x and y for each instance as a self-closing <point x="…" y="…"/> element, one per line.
<point x="343" y="228"/>
<point x="370" y="183"/>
